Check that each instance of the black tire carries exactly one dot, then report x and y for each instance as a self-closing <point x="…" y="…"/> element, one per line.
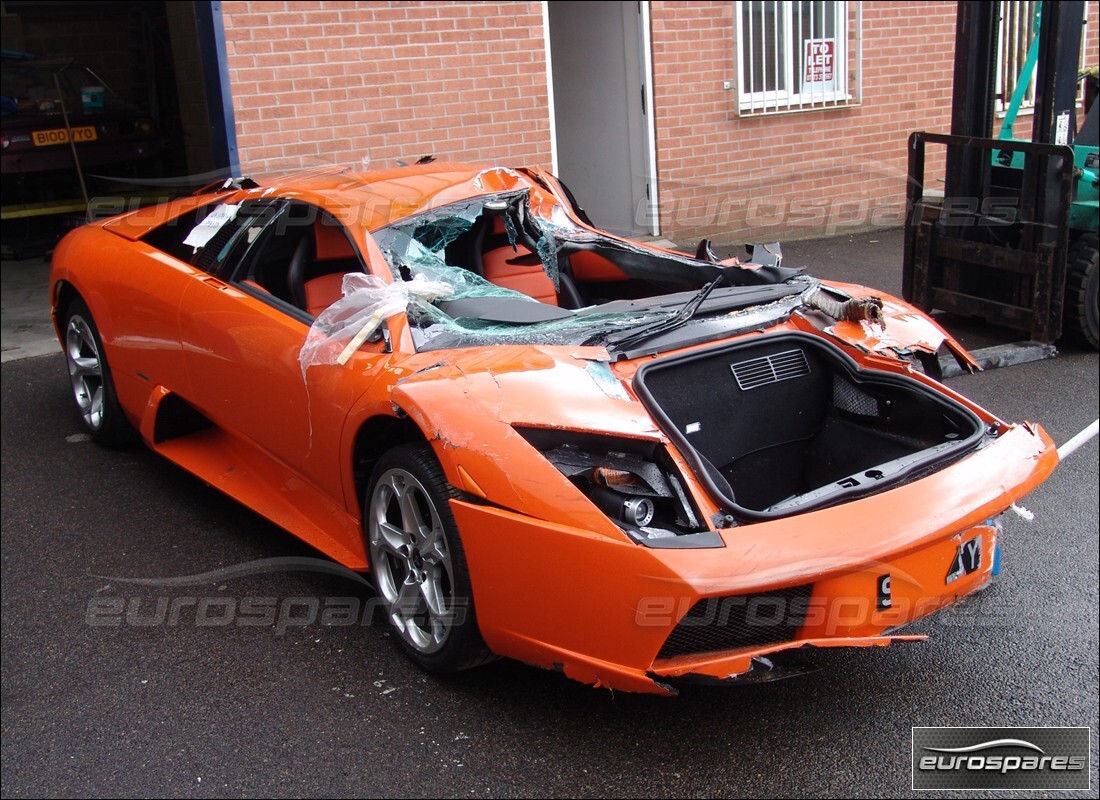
<point x="93" y="388"/>
<point x="413" y="544"/>
<point x="1082" y="317"/>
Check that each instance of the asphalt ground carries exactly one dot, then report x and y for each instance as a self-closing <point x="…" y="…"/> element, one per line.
<point x="175" y="707"/>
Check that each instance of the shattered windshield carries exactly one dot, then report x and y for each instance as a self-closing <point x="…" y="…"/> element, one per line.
<point x="500" y="259"/>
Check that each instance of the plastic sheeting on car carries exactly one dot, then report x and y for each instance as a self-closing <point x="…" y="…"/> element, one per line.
<point x="340" y="329"/>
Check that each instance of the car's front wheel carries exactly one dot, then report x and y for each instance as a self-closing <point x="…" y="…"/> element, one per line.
<point x="93" y="390"/>
<point x="418" y="564"/>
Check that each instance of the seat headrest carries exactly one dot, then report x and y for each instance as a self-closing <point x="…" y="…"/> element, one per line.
<point x="332" y="242"/>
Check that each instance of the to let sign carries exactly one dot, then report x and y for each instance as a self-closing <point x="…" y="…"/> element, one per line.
<point x="820" y="60"/>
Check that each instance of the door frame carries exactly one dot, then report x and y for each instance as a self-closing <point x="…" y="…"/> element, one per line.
<point x="649" y="128"/>
<point x="214" y="54"/>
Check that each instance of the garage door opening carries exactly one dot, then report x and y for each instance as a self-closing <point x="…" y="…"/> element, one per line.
<point x="137" y="85"/>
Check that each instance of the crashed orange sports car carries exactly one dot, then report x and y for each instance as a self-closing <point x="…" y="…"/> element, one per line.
<point x="543" y="441"/>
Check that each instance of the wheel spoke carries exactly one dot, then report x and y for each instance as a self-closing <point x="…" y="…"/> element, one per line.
<point x="81" y="366"/>
<point x="82" y="394"/>
<point x="95" y="409"/>
<point x="393" y="540"/>
<point x="410" y="511"/>
<point x="80" y="338"/>
<point x="433" y="597"/>
<point x="86" y="335"/>
<point x="407" y="601"/>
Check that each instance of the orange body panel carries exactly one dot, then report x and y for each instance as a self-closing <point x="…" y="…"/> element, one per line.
<point x="556" y="582"/>
<point x="620" y="601"/>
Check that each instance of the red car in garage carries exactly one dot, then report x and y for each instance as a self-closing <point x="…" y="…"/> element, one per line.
<point x="34" y="137"/>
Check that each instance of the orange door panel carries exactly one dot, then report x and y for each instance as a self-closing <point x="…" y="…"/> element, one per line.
<point x="244" y="374"/>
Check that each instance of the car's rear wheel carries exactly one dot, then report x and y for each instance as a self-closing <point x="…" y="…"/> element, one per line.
<point x="93" y="390"/>
<point x="418" y="564"/>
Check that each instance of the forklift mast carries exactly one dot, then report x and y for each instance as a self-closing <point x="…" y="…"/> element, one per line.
<point x="1055" y="120"/>
<point x="996" y="244"/>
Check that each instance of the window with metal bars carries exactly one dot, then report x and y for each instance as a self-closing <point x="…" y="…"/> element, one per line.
<point x="1016" y="32"/>
<point x="797" y="56"/>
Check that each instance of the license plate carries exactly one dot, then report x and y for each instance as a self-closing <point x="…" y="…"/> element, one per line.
<point x="968" y="558"/>
<point x="85" y="133"/>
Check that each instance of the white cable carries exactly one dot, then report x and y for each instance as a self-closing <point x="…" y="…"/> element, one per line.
<point x="1081" y="438"/>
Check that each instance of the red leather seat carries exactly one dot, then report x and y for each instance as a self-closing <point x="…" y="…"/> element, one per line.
<point x="332" y="245"/>
<point x="323" y="291"/>
<point x="529" y="279"/>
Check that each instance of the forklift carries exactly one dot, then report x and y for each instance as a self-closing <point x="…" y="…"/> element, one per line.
<point x="1013" y="238"/>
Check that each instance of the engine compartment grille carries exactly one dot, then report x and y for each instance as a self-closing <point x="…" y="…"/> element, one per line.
<point x="847" y="397"/>
<point x="756" y="372"/>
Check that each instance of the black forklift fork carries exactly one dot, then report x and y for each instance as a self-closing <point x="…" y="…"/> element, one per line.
<point x="995" y="244"/>
<point x="1000" y="251"/>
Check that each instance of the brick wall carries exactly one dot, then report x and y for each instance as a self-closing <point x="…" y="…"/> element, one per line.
<point x="320" y="83"/>
<point x="798" y="174"/>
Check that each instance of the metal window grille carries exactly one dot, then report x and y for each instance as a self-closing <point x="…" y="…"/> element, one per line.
<point x="797" y="56"/>
<point x="1015" y="35"/>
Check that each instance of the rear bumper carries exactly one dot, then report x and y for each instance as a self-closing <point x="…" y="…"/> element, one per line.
<point x="601" y="609"/>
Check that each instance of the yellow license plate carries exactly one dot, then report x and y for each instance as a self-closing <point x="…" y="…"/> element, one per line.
<point x="85" y="133"/>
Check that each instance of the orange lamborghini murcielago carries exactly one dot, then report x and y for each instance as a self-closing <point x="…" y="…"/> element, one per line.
<point x="541" y="440"/>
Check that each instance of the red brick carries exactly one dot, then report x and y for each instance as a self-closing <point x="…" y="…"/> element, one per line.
<point x="468" y="80"/>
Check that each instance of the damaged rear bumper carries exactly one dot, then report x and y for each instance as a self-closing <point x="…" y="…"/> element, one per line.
<point x="773" y="663"/>
<point x="608" y="612"/>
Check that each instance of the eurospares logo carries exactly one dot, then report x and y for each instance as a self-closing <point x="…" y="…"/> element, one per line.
<point x="1001" y="758"/>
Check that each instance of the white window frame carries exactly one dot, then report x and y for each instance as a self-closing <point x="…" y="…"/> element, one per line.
<point x="791" y="93"/>
<point x="1015" y="33"/>
<point x="1014" y="36"/>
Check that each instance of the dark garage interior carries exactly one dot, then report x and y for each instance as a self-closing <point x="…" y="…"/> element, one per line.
<point x="155" y="70"/>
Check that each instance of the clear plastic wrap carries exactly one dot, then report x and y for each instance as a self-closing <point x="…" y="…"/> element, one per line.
<point x="422" y="260"/>
<point x="368" y="301"/>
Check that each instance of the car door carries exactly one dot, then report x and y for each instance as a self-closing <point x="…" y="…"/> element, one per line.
<point x="241" y="333"/>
